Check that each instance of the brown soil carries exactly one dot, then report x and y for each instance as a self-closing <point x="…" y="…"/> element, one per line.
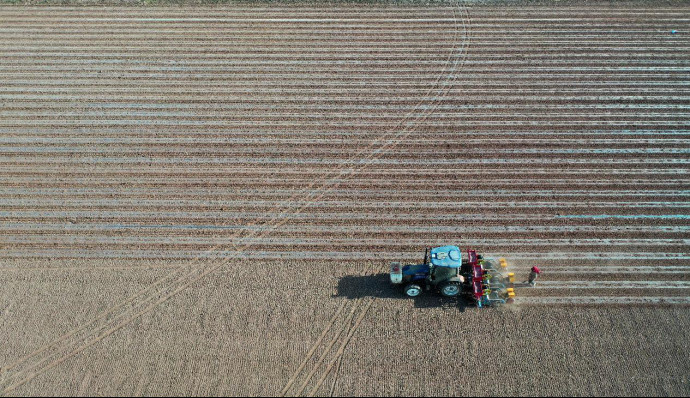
<point x="202" y="200"/>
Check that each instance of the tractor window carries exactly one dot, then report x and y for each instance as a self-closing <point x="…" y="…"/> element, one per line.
<point x="444" y="273"/>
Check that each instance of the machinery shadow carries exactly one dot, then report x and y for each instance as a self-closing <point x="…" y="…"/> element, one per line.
<point x="379" y="286"/>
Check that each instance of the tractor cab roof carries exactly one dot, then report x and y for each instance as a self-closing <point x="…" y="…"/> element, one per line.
<point x="446" y="256"/>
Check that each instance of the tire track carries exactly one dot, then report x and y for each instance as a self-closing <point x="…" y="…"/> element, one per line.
<point x="346" y="331"/>
<point x="327" y="349"/>
<point x="312" y="350"/>
<point x="343" y="346"/>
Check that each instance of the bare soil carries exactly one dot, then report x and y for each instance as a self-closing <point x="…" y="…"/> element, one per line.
<point x="204" y="199"/>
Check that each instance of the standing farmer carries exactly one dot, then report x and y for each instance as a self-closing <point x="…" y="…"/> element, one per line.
<point x="533" y="275"/>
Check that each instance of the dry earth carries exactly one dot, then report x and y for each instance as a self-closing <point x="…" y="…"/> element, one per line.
<point x="201" y="200"/>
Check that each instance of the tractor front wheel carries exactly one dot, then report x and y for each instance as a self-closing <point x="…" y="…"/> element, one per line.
<point x="450" y="289"/>
<point x="413" y="290"/>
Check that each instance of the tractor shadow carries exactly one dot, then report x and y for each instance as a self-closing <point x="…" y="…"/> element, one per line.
<point x="379" y="286"/>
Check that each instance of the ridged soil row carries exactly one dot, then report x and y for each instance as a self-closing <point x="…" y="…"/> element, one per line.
<point x="129" y="113"/>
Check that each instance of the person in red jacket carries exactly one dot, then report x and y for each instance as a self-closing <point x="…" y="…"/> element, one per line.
<point x="533" y="275"/>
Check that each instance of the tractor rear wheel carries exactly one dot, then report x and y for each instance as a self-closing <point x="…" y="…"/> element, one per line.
<point x="413" y="290"/>
<point x="450" y="289"/>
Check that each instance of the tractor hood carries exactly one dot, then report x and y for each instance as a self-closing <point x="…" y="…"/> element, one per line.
<point x="446" y="256"/>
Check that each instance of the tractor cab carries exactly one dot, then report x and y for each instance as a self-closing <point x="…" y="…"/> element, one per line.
<point x="440" y="270"/>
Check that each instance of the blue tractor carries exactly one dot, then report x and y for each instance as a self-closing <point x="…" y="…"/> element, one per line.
<point x="445" y="271"/>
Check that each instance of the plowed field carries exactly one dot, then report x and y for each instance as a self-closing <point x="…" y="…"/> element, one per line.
<point x="203" y="200"/>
